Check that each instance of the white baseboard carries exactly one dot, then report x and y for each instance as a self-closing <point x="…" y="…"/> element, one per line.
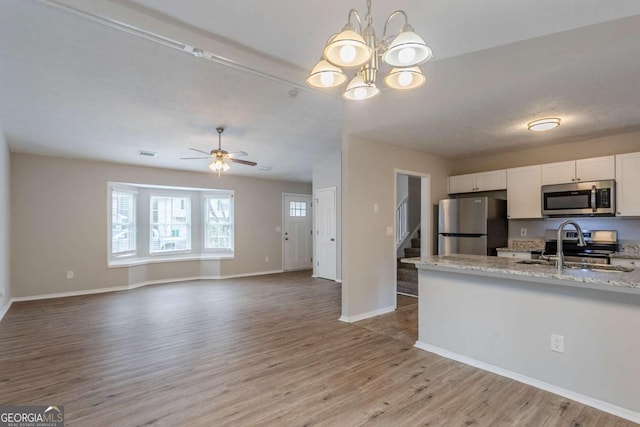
<point x="581" y="398"/>
<point x="358" y="317"/>
<point x="4" y="309"/>
<point x="338" y="280"/>
<point x="130" y="287"/>
<point x="407" y="295"/>
<point x="258" y="273"/>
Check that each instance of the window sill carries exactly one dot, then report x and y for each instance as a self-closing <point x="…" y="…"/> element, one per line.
<point x="133" y="261"/>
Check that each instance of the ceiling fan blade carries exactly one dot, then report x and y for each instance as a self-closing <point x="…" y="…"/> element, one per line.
<point x="242" y="162"/>
<point x="196" y="158"/>
<point x="238" y="154"/>
<point x="200" y="151"/>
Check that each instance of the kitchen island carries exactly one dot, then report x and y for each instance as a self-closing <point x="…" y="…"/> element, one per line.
<point x="504" y="317"/>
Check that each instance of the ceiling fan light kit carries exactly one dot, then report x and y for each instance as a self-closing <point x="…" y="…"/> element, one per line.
<point x="220" y="157"/>
<point x="360" y="49"/>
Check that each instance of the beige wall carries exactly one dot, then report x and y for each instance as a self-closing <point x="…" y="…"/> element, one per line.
<point x="368" y="257"/>
<point x="59" y="223"/>
<point x="617" y="144"/>
<point x="5" y="285"/>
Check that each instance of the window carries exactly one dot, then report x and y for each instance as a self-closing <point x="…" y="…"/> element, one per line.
<point x="170" y="224"/>
<point x="123" y="222"/>
<point x="297" y="209"/>
<point x="218" y="222"/>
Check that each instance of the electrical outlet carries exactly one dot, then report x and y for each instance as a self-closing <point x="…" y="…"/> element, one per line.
<point x="557" y="343"/>
<point x="266" y="259"/>
<point x="523" y="232"/>
<point x="70" y="274"/>
<point x="278" y="229"/>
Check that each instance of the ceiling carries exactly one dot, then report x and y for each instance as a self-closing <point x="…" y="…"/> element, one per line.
<point x="72" y="86"/>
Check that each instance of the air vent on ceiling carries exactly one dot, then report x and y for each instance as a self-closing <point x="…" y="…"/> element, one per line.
<point x="265" y="168"/>
<point x="147" y="153"/>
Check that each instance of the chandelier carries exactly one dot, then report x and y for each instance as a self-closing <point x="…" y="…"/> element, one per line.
<point x="360" y="50"/>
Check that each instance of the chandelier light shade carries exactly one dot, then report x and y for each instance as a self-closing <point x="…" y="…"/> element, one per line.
<point x="543" y="124"/>
<point x="360" y="49"/>
<point x="358" y="89"/>
<point x="325" y="74"/>
<point x="347" y="49"/>
<point x="405" y="78"/>
<point x="407" y="49"/>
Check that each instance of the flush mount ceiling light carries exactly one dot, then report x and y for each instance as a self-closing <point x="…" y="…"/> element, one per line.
<point x="355" y="48"/>
<point x="543" y="124"/>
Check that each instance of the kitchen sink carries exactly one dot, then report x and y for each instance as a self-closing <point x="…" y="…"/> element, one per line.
<point x="603" y="268"/>
<point x="536" y="262"/>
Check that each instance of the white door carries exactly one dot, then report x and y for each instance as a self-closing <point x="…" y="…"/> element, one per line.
<point x="297" y="232"/>
<point x="326" y="249"/>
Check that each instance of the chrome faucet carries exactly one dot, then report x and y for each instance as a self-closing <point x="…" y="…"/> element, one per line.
<point x="560" y="253"/>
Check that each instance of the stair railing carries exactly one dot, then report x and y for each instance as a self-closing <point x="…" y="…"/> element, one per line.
<point x="402" y="222"/>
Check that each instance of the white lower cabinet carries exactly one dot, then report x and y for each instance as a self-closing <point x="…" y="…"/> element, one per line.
<point x="523" y="192"/>
<point x="516" y="255"/>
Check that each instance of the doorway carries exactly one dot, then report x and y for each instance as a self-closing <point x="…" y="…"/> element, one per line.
<point x="413" y="229"/>
<point x="296" y="227"/>
<point x="325" y="229"/>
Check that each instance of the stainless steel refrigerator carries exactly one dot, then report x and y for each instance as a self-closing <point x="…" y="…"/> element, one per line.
<point x="473" y="225"/>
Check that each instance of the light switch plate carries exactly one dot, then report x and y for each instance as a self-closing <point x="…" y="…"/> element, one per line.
<point x="389" y="230"/>
<point x="376" y="208"/>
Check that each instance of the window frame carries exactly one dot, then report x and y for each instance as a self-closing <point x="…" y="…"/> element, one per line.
<point x="176" y="195"/>
<point x="132" y="225"/>
<point x="205" y="221"/>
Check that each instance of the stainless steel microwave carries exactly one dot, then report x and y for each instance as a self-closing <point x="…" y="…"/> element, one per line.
<point x="595" y="198"/>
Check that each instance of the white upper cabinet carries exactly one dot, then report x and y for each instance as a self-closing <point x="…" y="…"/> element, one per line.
<point x="628" y="184"/>
<point x="484" y="181"/>
<point x="524" y="199"/>
<point x="594" y="169"/>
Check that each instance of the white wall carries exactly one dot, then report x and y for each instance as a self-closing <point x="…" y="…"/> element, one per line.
<point x="326" y="174"/>
<point x="59" y="223"/>
<point x="5" y="277"/>
<point x="368" y="257"/>
<point x="606" y="146"/>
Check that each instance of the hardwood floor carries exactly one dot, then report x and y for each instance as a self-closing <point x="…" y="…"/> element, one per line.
<point x="255" y="351"/>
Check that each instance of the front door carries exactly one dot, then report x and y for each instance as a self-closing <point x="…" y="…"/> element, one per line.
<point x="326" y="233"/>
<point x="297" y="232"/>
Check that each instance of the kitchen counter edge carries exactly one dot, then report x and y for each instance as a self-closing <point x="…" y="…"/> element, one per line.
<point x="509" y="268"/>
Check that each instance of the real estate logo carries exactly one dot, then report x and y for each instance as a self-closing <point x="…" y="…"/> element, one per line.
<point x="31" y="416"/>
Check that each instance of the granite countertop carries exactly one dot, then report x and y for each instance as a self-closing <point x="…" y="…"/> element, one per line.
<point x="518" y="245"/>
<point x="614" y="281"/>
<point x="628" y="251"/>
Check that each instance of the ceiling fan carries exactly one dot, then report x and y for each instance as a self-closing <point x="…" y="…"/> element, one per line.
<point x="220" y="157"/>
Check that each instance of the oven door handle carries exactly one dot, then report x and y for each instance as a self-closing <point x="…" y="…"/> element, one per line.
<point x="593" y="199"/>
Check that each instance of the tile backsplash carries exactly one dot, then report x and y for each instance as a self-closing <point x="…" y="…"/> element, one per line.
<point x="628" y="229"/>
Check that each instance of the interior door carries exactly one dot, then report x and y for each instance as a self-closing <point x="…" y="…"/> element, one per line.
<point x="297" y="232"/>
<point x="326" y="250"/>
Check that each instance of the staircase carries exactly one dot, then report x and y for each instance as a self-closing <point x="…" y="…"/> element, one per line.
<point x="407" y="274"/>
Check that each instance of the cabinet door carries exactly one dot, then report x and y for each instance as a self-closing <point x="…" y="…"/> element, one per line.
<point x="559" y="173"/>
<point x="596" y="169"/>
<point x="627" y="179"/>
<point x="462" y="183"/>
<point x="523" y="192"/>
<point x="494" y="180"/>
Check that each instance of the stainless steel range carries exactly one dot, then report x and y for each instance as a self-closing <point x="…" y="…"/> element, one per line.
<point x="599" y="245"/>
